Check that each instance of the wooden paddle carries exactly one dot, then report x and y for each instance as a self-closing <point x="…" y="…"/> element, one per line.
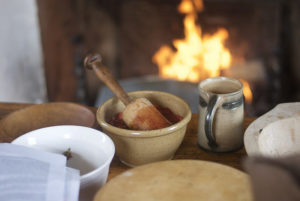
<point x="139" y="114"/>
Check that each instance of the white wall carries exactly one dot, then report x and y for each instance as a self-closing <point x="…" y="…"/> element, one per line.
<point x="21" y="67"/>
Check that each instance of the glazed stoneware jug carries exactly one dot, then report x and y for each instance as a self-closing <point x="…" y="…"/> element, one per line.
<point x="221" y="114"/>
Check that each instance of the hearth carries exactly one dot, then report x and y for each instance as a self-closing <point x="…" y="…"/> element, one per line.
<point x="255" y="40"/>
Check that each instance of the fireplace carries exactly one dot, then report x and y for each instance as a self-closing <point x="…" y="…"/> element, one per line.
<point x="254" y="39"/>
<point x="260" y="37"/>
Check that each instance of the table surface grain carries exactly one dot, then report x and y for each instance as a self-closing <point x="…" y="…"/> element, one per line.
<point x="188" y="149"/>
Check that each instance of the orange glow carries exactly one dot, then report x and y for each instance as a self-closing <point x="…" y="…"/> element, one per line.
<point x="188" y="6"/>
<point x="196" y="57"/>
<point x="247" y="91"/>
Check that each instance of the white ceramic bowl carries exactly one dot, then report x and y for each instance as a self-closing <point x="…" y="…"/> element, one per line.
<point x="92" y="152"/>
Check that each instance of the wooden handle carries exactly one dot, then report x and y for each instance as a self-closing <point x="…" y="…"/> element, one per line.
<point x="94" y="62"/>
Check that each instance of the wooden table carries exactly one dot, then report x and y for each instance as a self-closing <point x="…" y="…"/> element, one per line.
<point x="188" y="149"/>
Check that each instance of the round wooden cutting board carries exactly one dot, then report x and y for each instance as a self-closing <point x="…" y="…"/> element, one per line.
<point x="178" y="180"/>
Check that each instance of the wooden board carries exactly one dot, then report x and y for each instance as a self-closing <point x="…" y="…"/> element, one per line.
<point x="178" y="180"/>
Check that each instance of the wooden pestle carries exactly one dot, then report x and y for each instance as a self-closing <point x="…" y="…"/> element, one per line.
<point x="140" y="113"/>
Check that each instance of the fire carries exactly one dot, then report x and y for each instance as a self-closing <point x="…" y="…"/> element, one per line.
<point x="196" y="57"/>
<point x="247" y="91"/>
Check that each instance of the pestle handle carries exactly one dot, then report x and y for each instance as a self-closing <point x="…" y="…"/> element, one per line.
<point x="94" y="62"/>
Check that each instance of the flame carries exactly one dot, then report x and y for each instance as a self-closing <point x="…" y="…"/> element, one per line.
<point x="247" y="91"/>
<point x="188" y="6"/>
<point x="196" y="57"/>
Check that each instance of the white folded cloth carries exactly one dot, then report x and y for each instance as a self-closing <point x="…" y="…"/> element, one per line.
<point x="35" y="175"/>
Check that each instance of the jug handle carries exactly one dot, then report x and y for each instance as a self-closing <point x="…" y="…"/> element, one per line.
<point x="212" y="106"/>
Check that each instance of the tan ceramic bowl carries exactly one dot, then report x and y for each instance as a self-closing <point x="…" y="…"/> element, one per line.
<point x="140" y="147"/>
